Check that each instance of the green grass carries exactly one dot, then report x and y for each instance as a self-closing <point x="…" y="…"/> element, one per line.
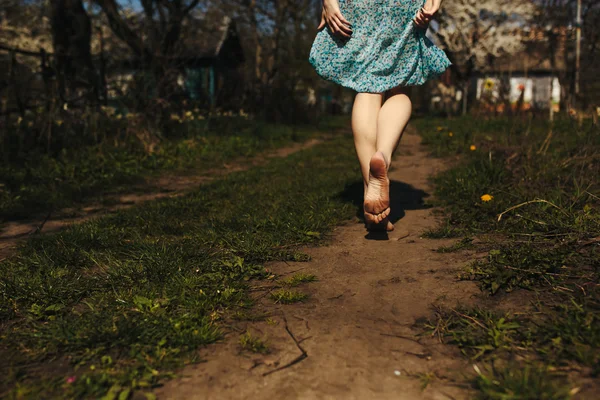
<point x="543" y="214"/>
<point x="287" y="296"/>
<point x="251" y="343"/>
<point x="37" y="181"/>
<point x="298" y="279"/>
<point x="513" y="382"/>
<point x="125" y="300"/>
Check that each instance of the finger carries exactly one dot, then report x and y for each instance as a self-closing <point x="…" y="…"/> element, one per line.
<point x="344" y="20"/>
<point x="322" y="24"/>
<point x="343" y="27"/>
<point x="336" y="29"/>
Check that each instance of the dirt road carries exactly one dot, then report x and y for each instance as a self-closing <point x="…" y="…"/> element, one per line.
<point x="355" y="337"/>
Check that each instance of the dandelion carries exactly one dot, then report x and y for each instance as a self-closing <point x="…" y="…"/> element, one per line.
<point x="59" y="122"/>
<point x="473" y="147"/>
<point x="70" y="379"/>
<point x="188" y="114"/>
<point x="439" y="129"/>
<point x="489" y="84"/>
<point x="450" y="134"/>
<point x="119" y="116"/>
<point x="487" y="197"/>
<point x="65" y="106"/>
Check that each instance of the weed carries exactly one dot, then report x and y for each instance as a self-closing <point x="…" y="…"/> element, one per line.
<point x="253" y="344"/>
<point x="298" y="279"/>
<point x="531" y="382"/>
<point x="286" y="296"/>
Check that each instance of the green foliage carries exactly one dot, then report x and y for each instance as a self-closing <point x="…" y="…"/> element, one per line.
<point x="124" y="300"/>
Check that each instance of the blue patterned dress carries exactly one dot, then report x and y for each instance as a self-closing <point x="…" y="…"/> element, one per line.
<point x="386" y="49"/>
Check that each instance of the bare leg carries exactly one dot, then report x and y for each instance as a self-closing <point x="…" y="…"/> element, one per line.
<point x="392" y="120"/>
<point x="364" y="125"/>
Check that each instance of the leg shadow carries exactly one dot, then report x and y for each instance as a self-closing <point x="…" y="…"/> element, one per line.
<point x="402" y="197"/>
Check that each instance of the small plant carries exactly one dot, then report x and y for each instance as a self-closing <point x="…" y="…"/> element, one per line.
<point x="285" y="296"/>
<point x="512" y="382"/>
<point x="298" y="279"/>
<point x="253" y="344"/>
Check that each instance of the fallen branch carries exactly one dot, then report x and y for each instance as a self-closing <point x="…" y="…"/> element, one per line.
<point x="296" y="360"/>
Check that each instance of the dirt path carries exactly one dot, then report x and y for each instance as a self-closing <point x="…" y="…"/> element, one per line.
<point x="169" y="185"/>
<point x="357" y="328"/>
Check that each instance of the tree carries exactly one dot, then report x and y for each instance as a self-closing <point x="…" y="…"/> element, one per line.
<point x="475" y="32"/>
<point x="71" y="37"/>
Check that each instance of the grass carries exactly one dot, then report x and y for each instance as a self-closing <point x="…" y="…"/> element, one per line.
<point x="250" y="343"/>
<point x="119" y="303"/>
<point x="514" y="382"/>
<point x="534" y="187"/>
<point x="287" y="296"/>
<point x="298" y="279"/>
<point x="37" y="182"/>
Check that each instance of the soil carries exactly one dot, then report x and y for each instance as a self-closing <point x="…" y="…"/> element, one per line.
<point x="355" y="337"/>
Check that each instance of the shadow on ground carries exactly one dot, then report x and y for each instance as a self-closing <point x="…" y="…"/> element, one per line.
<point x="402" y="197"/>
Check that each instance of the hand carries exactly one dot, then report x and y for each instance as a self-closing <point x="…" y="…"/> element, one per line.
<point x="332" y="16"/>
<point x="426" y="14"/>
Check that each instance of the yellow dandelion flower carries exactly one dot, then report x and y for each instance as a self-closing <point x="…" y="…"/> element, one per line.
<point x="487" y="197"/>
<point x="188" y="114"/>
<point x="59" y="122"/>
<point x="119" y="116"/>
<point x="473" y="147"/>
<point x="489" y="84"/>
<point x="439" y="129"/>
<point x="174" y="117"/>
<point x="450" y="134"/>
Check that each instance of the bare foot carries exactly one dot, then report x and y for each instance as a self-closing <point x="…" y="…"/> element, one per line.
<point x="377" y="199"/>
<point x="384" y="225"/>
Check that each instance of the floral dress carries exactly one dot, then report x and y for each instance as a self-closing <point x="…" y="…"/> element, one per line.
<point x="386" y="49"/>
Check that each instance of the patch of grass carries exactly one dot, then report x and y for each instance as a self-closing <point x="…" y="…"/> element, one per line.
<point x="253" y="344"/>
<point x="531" y="382"/>
<point x="126" y="299"/>
<point x="287" y="296"/>
<point x="298" y="279"/>
<point x="534" y="187"/>
<point x="38" y="181"/>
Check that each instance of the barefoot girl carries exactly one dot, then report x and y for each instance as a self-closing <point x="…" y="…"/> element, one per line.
<point x="377" y="48"/>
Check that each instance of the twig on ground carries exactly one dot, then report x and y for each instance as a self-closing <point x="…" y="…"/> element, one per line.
<point x="469" y="318"/>
<point x="401" y="337"/>
<point x="39" y="228"/>
<point x="530" y="202"/>
<point x="545" y="273"/>
<point x="296" y="360"/>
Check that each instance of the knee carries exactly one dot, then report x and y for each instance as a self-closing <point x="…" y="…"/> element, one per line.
<point x="397" y="91"/>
